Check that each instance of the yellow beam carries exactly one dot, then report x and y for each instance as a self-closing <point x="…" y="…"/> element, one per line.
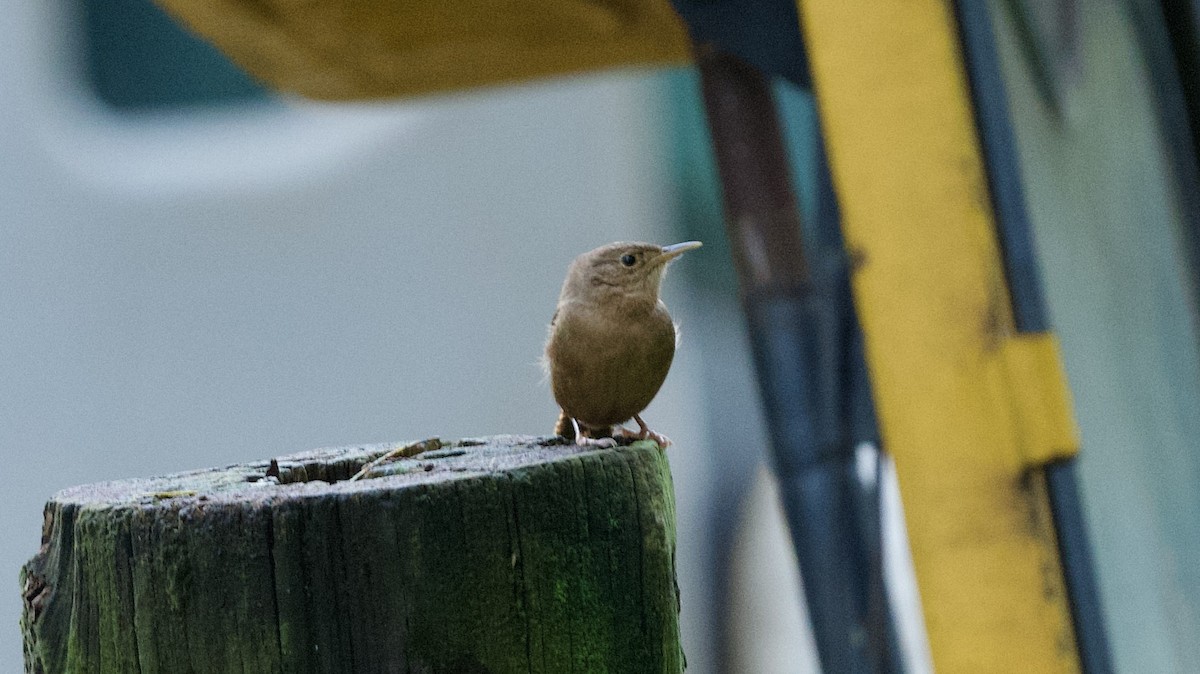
<point x="966" y="406"/>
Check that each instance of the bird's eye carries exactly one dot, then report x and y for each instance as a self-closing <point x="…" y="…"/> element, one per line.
<point x="628" y="259"/>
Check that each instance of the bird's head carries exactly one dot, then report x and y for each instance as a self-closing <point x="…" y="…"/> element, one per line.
<point x="630" y="270"/>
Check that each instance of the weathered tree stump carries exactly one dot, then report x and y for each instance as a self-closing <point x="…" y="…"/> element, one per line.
<point x="505" y="554"/>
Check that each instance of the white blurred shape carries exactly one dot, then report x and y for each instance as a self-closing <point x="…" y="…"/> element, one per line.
<point x="770" y="630"/>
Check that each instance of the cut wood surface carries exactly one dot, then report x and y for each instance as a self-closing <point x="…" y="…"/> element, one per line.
<point x="502" y="554"/>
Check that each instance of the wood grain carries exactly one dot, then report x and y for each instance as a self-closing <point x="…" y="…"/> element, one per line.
<point x="504" y="554"/>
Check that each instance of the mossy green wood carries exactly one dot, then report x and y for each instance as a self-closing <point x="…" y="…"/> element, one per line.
<point x="502" y="555"/>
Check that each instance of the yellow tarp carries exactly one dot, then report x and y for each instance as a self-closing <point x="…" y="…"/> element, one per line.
<point x="354" y="49"/>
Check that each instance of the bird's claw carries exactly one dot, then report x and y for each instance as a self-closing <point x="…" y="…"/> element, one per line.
<point x="643" y="433"/>
<point x="600" y="443"/>
<point x="584" y="441"/>
<point x="646" y="434"/>
<point x="662" y="440"/>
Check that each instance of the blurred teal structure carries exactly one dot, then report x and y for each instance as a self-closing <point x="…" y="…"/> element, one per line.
<point x="138" y="58"/>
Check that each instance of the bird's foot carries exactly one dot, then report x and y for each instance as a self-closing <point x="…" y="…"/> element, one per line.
<point x="584" y="441"/>
<point x="662" y="440"/>
<point x="643" y="433"/>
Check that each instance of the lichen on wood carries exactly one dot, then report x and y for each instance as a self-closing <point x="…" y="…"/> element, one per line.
<point x="505" y="554"/>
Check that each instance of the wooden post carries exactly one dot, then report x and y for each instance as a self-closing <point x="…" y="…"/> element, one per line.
<point x="505" y="554"/>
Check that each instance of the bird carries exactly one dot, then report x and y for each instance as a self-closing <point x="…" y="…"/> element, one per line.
<point x="611" y="341"/>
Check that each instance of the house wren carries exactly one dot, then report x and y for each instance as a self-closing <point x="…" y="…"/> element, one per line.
<point x="611" y="341"/>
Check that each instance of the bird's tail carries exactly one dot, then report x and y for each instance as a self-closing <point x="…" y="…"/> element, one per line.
<point x="564" y="428"/>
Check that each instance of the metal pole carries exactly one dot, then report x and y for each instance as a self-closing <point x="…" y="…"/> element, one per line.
<point x="809" y="363"/>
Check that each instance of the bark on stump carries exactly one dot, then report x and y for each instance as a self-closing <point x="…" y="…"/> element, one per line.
<point x="504" y="554"/>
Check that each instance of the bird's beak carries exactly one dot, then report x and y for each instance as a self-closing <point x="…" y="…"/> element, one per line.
<point x="676" y="249"/>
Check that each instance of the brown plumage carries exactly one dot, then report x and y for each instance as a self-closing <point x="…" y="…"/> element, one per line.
<point x="611" y="340"/>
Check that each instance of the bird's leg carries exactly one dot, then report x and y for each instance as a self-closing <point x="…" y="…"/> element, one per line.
<point x="644" y="433"/>
<point x="584" y="441"/>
